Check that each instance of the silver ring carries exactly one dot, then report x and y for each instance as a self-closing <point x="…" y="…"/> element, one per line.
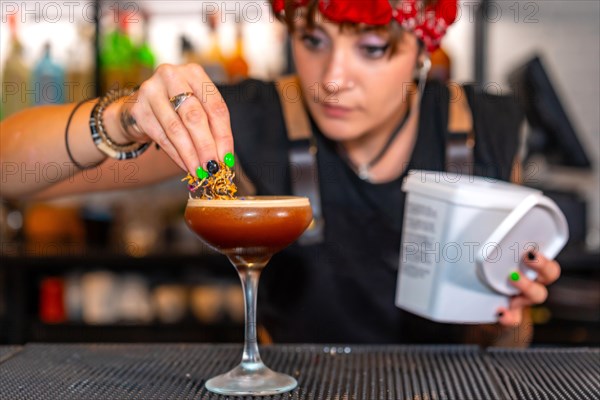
<point x="177" y="101"/>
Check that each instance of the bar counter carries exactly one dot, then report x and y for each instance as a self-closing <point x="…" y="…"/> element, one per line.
<point x="178" y="371"/>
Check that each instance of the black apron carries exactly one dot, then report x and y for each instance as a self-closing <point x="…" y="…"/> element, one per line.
<point x="343" y="290"/>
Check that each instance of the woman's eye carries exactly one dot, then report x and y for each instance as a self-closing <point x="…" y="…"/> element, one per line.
<point x="371" y="51"/>
<point x="311" y="41"/>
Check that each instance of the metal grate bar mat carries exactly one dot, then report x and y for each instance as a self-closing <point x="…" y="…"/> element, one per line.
<point x="8" y="351"/>
<point x="549" y="373"/>
<point x="171" y="371"/>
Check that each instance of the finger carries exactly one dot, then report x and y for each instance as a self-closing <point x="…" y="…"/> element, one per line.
<point x="192" y="113"/>
<point x="178" y="135"/>
<point x="150" y="125"/>
<point x="536" y="292"/>
<point x="548" y="270"/>
<point x="520" y="302"/>
<point x="215" y="107"/>
<point x="196" y="122"/>
<point x="512" y="316"/>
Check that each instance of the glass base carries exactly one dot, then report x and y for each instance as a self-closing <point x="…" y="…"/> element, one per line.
<point x="255" y="382"/>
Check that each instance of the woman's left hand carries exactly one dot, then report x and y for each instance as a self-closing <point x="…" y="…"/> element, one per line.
<point x="531" y="292"/>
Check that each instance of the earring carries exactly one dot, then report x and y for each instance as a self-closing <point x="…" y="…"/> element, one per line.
<point x="421" y="74"/>
<point x="422" y="68"/>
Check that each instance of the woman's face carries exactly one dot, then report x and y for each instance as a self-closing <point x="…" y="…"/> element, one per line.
<point x="351" y="85"/>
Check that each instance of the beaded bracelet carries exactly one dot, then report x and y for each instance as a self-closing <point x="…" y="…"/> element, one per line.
<point x="101" y="139"/>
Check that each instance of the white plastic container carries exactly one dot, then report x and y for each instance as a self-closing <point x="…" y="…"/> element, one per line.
<point x="463" y="236"/>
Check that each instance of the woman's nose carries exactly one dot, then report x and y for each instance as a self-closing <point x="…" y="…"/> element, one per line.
<point x="337" y="75"/>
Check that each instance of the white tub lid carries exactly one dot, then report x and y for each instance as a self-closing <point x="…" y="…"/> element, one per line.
<point x="467" y="190"/>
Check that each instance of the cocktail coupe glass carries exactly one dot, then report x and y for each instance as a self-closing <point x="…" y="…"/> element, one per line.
<point x="249" y="231"/>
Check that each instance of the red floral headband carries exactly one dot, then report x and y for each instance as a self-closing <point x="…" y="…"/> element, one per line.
<point x="428" y="23"/>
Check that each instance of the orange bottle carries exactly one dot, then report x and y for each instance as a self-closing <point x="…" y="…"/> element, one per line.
<point x="440" y="66"/>
<point x="237" y="67"/>
<point x="212" y="60"/>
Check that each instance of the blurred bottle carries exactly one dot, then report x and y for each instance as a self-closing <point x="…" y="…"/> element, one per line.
<point x="207" y="303"/>
<point x="170" y="302"/>
<point x="188" y="53"/>
<point x="145" y="60"/>
<point x="234" y="302"/>
<point x="212" y="59"/>
<point x="11" y="228"/>
<point x="53" y="230"/>
<point x="97" y="217"/>
<point x="16" y="74"/>
<point x="441" y="65"/>
<point x="80" y="70"/>
<point x="236" y="65"/>
<point x="138" y="228"/>
<point x="135" y="305"/>
<point x="100" y="298"/>
<point x="48" y="80"/>
<point x="117" y="57"/>
<point x="73" y="296"/>
<point x="52" y="301"/>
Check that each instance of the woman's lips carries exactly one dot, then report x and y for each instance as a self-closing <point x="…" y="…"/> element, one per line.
<point x="335" y="111"/>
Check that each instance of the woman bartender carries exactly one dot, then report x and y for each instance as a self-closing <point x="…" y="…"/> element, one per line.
<point x="356" y="62"/>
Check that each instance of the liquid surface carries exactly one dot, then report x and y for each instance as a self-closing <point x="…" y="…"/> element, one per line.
<point x="252" y="227"/>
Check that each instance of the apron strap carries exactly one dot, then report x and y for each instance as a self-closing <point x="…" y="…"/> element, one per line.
<point x="461" y="137"/>
<point x="302" y="155"/>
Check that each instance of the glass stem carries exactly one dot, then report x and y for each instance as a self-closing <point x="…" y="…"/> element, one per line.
<point x="249" y="277"/>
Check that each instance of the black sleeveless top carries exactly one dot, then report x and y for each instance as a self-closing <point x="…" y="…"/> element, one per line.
<point x="343" y="289"/>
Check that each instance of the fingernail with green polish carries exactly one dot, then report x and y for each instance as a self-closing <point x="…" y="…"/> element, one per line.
<point x="229" y="160"/>
<point x="201" y="173"/>
<point x="514" y="276"/>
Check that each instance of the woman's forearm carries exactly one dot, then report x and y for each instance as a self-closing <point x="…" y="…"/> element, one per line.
<point x="34" y="158"/>
<point x="33" y="153"/>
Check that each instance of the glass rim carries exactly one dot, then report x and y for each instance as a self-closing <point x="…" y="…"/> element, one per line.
<point x="252" y="201"/>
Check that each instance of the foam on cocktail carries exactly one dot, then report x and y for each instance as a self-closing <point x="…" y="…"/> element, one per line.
<point x="255" y="201"/>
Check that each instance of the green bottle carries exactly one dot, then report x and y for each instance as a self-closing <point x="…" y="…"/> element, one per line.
<point x="117" y="58"/>
<point x="144" y="57"/>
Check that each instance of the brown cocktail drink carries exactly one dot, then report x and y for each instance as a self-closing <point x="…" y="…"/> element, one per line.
<point x="249" y="231"/>
<point x="255" y="228"/>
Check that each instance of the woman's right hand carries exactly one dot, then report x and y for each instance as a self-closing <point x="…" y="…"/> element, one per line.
<point x="198" y="132"/>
